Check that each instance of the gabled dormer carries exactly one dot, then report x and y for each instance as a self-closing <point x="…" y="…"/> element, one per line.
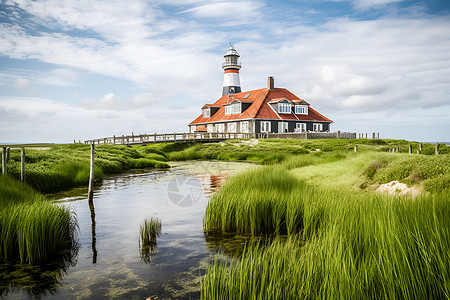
<point x="236" y="107"/>
<point x="208" y="110"/>
<point x="301" y="107"/>
<point x="282" y="105"/>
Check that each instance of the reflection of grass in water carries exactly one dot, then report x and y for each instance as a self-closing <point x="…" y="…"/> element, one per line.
<point x="36" y="280"/>
<point x="149" y="231"/>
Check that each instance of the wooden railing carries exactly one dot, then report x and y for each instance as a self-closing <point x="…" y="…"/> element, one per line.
<point x="211" y="137"/>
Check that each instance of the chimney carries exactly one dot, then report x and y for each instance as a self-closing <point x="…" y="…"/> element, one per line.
<point x="271" y="83"/>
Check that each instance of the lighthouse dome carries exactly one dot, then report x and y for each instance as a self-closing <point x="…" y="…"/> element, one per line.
<point x="232" y="51"/>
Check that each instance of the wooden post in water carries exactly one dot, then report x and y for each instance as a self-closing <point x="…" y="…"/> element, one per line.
<point x="4" y="161"/>
<point x="91" y="176"/>
<point x="22" y="164"/>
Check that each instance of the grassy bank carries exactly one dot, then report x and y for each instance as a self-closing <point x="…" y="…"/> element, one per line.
<point x="61" y="167"/>
<point x="32" y="229"/>
<point x="341" y="245"/>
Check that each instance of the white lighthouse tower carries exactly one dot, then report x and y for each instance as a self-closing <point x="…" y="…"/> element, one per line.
<point x="231" y="67"/>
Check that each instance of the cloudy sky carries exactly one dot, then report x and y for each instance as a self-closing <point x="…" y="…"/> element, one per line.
<point x="80" y="69"/>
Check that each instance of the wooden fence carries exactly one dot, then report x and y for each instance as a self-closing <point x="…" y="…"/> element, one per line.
<point x="213" y="137"/>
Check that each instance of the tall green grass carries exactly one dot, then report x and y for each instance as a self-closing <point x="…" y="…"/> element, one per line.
<point x="149" y="230"/>
<point x="341" y="244"/>
<point x="32" y="229"/>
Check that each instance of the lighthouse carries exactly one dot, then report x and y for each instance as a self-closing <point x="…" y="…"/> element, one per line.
<point x="231" y="67"/>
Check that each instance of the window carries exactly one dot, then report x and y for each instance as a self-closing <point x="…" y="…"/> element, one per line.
<point x="210" y="128"/>
<point x="282" y="127"/>
<point x="284" y="108"/>
<point x="300" y="127"/>
<point x="301" y="109"/>
<point x="233" y="109"/>
<point x="246" y="96"/>
<point x="206" y="113"/>
<point x="192" y="128"/>
<point x="220" y="128"/>
<point x="317" y="127"/>
<point x="231" y="127"/>
<point x="244" y="127"/>
<point x="265" y="126"/>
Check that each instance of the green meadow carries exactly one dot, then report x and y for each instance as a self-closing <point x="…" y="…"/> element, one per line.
<point x="312" y="222"/>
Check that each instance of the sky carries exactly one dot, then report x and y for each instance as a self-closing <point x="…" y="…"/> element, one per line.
<point x="82" y="69"/>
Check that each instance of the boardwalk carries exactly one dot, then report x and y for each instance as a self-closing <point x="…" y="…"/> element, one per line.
<point x="141" y="139"/>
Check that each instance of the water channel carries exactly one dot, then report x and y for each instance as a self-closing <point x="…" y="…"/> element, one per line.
<point x="109" y="263"/>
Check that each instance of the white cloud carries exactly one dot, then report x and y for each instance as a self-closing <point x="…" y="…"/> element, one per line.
<point x="367" y="4"/>
<point x="231" y="12"/>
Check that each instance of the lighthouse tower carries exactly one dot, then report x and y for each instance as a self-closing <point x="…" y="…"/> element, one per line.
<point x="231" y="67"/>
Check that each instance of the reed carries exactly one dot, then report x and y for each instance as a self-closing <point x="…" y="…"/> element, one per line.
<point x="149" y="230"/>
<point x="371" y="247"/>
<point x="32" y="229"/>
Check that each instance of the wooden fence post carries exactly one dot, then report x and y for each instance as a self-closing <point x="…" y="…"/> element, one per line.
<point x="354" y="148"/>
<point x="420" y="147"/>
<point x="4" y="161"/>
<point x="436" y="149"/>
<point x="7" y="154"/>
<point x="22" y="164"/>
<point x="91" y="176"/>
<point x="410" y="148"/>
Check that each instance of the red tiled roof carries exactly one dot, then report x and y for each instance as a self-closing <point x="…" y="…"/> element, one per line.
<point x="259" y="108"/>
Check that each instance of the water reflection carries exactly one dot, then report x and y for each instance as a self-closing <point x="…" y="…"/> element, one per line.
<point x="37" y="280"/>
<point x="94" y="239"/>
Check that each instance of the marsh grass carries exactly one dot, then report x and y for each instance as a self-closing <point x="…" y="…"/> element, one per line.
<point x="341" y="244"/>
<point x="32" y="229"/>
<point x="149" y="231"/>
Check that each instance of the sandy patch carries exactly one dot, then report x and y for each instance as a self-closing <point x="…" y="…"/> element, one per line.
<point x="398" y="188"/>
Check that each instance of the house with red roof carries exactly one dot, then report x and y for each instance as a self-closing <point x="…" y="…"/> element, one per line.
<point x="269" y="109"/>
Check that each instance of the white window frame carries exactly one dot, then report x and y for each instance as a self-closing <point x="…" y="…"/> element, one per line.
<point x="231" y="127"/>
<point x="317" y="127"/>
<point x="220" y="128"/>
<point x="265" y="126"/>
<point x="300" y="127"/>
<point x="227" y="109"/>
<point x="244" y="127"/>
<point x="206" y="113"/>
<point x="210" y="128"/>
<point x="282" y="126"/>
<point x="284" y="108"/>
<point x="192" y="128"/>
<point x="236" y="108"/>
<point x="301" y="109"/>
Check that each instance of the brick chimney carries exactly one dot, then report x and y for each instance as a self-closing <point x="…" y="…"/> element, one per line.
<point x="271" y="83"/>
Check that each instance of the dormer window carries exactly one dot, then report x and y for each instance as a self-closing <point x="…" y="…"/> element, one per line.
<point x="206" y="113"/>
<point x="284" y="108"/>
<point x="301" y="109"/>
<point x="233" y="109"/>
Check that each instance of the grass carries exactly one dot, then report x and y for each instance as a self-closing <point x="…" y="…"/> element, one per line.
<point x="149" y="230"/>
<point x="61" y="167"/>
<point x="32" y="229"/>
<point x="341" y="244"/>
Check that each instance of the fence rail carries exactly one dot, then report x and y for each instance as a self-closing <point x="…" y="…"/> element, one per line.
<point x="140" y="139"/>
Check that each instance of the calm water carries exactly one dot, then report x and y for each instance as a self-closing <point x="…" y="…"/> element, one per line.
<point x="109" y="262"/>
